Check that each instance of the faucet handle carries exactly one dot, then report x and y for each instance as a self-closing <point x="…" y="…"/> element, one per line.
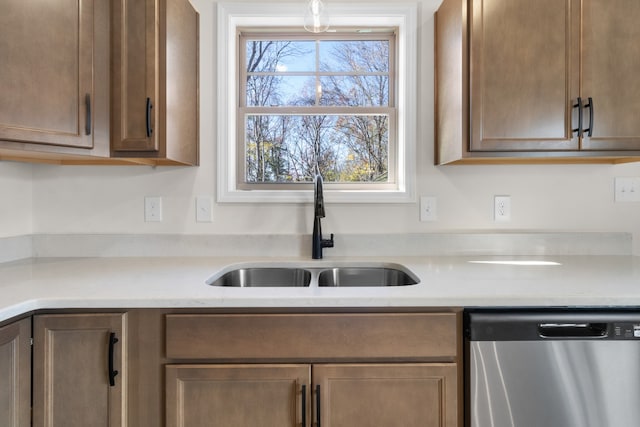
<point x="327" y="243"/>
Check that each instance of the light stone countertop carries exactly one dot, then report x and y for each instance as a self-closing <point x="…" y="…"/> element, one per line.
<point x="138" y="282"/>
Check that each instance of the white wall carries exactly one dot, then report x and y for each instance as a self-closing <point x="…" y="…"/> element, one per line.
<point x="96" y="199"/>
<point x="15" y="199"/>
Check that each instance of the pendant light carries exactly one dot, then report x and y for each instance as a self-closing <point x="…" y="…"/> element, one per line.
<point x="316" y="19"/>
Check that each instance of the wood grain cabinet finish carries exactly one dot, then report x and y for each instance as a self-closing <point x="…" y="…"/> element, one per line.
<point x="154" y="101"/>
<point x="307" y="369"/>
<point x="522" y="78"/>
<point x="368" y="395"/>
<point x="610" y="64"/>
<point x="281" y="395"/>
<point x="54" y="78"/>
<point x="312" y="336"/>
<point x="544" y="80"/>
<point x="15" y="374"/>
<point x="71" y="368"/>
<point x="237" y="395"/>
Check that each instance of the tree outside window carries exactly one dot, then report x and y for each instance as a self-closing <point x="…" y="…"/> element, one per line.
<point x="312" y="104"/>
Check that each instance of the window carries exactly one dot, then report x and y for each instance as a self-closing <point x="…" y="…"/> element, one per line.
<point x="292" y="104"/>
<point x="313" y="104"/>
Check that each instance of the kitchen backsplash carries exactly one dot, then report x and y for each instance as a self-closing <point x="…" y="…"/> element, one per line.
<point x="283" y="245"/>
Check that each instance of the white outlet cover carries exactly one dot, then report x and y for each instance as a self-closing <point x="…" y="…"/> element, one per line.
<point x="153" y="209"/>
<point x="502" y="208"/>
<point x="428" y="208"/>
<point x="204" y="209"/>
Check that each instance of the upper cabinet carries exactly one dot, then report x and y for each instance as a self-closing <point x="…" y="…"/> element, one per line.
<point x="610" y="64"/>
<point x="54" y="78"/>
<point x="99" y="81"/>
<point x="155" y="80"/>
<point x="548" y="80"/>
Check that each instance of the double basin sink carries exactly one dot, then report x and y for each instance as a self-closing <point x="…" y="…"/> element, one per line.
<point x="295" y="275"/>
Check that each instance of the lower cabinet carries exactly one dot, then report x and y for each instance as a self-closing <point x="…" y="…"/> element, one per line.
<point x="237" y="395"/>
<point x="330" y="395"/>
<point x="358" y="369"/>
<point x="233" y="368"/>
<point x="408" y="395"/>
<point x="78" y="371"/>
<point x="15" y="374"/>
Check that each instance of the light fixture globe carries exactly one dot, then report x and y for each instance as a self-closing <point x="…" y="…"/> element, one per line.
<point x="316" y="19"/>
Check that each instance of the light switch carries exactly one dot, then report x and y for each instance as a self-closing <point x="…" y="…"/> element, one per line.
<point x="627" y="189"/>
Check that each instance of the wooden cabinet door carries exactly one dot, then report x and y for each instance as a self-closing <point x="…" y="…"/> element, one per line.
<point x="135" y="66"/>
<point x="524" y="74"/>
<point x="154" y="77"/>
<point x="71" y="354"/>
<point x="47" y="84"/>
<point x="15" y="374"/>
<point x="237" y="395"/>
<point x="382" y="395"/>
<point x="610" y="64"/>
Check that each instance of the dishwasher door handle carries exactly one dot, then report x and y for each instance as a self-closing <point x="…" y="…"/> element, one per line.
<point x="572" y="330"/>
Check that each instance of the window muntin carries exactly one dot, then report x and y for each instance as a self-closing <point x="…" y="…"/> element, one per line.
<point x="316" y="102"/>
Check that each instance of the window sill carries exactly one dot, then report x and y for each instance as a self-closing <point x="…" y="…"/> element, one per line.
<point x="300" y="196"/>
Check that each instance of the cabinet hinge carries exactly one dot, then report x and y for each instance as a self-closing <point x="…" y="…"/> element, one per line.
<point x="31" y="342"/>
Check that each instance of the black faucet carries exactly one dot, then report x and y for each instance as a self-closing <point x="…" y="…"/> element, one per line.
<point x="318" y="212"/>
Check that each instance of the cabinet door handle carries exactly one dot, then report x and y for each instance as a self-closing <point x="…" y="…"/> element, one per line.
<point x="589" y="105"/>
<point x="112" y="372"/>
<point x="149" y="107"/>
<point x="578" y="105"/>
<point x="304" y="405"/>
<point x="87" y="122"/>
<point x="318" y="406"/>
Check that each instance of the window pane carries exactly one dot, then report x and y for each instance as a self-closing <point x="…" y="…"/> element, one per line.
<point x="286" y="148"/>
<point x="280" y="56"/>
<point x="355" y="91"/>
<point x="278" y="91"/>
<point x="355" y="56"/>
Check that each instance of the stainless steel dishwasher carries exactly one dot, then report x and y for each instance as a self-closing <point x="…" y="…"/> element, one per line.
<point x="553" y="368"/>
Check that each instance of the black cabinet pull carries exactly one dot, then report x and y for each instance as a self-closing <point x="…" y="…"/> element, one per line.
<point x="87" y="122"/>
<point x="318" y="406"/>
<point x="112" y="372"/>
<point x="304" y="405"/>
<point x="578" y="105"/>
<point x="149" y="107"/>
<point x="589" y="105"/>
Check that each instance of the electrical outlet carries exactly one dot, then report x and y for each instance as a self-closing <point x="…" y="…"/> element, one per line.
<point x="204" y="209"/>
<point x="502" y="208"/>
<point x="428" y="208"/>
<point x="153" y="209"/>
<point x="627" y="189"/>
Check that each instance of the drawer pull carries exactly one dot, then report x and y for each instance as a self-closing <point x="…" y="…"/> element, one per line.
<point x="149" y="128"/>
<point x="318" y="405"/>
<point x="87" y="122"/>
<point x="589" y="105"/>
<point x="304" y="405"/>
<point x="112" y="372"/>
<point x="578" y="105"/>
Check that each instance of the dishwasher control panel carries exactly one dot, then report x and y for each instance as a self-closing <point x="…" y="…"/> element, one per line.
<point x="626" y="331"/>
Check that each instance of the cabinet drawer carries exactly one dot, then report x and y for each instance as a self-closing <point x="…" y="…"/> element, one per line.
<point x="316" y="336"/>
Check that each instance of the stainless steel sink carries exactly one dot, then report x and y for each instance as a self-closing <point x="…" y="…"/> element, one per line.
<point x="366" y="276"/>
<point x="262" y="277"/>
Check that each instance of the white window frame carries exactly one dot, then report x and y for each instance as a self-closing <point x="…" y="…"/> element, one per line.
<point x="232" y="16"/>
